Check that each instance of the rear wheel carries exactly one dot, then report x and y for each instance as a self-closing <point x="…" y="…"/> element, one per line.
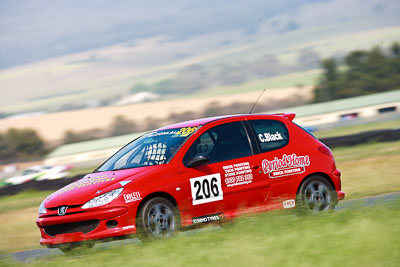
<point x="316" y="195"/>
<point x="158" y="219"/>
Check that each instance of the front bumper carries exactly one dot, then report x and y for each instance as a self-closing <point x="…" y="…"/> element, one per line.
<point x="124" y="218"/>
<point x="341" y="195"/>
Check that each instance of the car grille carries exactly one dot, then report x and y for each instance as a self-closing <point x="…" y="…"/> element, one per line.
<point x="68" y="228"/>
<point x="69" y="207"/>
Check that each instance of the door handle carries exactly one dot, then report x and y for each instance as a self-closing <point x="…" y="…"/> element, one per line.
<point x="255" y="167"/>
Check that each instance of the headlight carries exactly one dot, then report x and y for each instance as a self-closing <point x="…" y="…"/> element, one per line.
<point x="103" y="199"/>
<point x="42" y="209"/>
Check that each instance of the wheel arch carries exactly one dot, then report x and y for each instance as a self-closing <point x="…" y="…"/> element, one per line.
<point x="324" y="175"/>
<point x="154" y="195"/>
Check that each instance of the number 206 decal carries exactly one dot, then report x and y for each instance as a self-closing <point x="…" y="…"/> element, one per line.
<point x="206" y="189"/>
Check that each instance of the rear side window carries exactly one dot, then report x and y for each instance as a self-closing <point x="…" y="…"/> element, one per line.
<point x="270" y="134"/>
<point x="224" y="142"/>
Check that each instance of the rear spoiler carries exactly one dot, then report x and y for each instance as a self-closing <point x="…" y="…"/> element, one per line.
<point x="289" y="116"/>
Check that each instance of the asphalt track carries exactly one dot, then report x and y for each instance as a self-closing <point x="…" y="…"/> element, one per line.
<point x="30" y="255"/>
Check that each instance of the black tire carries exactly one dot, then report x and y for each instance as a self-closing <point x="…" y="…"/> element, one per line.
<point x="157" y="219"/>
<point x="315" y="195"/>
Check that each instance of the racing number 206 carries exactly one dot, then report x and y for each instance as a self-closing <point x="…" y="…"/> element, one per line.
<point x="206" y="189"/>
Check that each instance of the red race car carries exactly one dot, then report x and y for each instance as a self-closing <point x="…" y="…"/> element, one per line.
<point x="194" y="172"/>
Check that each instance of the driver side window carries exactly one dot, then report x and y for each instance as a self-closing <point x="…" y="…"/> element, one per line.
<point x="223" y="142"/>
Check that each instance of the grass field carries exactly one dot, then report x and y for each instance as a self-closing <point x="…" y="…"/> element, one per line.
<point x="366" y="236"/>
<point x="369" y="169"/>
<point x="304" y="78"/>
<point x="74" y="79"/>
<point x="17" y="216"/>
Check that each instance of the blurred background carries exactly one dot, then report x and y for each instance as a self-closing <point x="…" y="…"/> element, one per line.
<point x="80" y="79"/>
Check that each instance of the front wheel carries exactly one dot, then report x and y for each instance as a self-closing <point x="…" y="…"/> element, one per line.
<point x="158" y="219"/>
<point x="316" y="195"/>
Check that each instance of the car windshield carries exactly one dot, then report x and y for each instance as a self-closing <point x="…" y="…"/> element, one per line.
<point x="154" y="148"/>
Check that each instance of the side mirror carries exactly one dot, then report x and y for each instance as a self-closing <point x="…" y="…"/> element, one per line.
<point x="198" y="160"/>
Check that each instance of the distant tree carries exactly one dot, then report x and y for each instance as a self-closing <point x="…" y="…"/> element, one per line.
<point x="395" y="49"/>
<point x="364" y="72"/>
<point x="141" y="88"/>
<point x="165" y="87"/>
<point x="152" y="123"/>
<point x="75" y="137"/>
<point x="20" y="145"/>
<point x="212" y="109"/>
<point x="184" y="116"/>
<point x="121" y="126"/>
<point x="395" y="62"/>
<point x="328" y="82"/>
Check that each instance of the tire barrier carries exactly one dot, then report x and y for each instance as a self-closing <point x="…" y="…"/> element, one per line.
<point x="38" y="185"/>
<point x="387" y="135"/>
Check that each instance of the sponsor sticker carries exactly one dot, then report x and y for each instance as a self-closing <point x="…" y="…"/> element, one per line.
<point x="209" y="218"/>
<point x="132" y="197"/>
<point x="128" y="227"/>
<point x="268" y="137"/>
<point x="290" y="203"/>
<point x="206" y="189"/>
<point x="172" y="132"/>
<point x="287" y="165"/>
<point x="182" y="132"/>
<point x="186" y="131"/>
<point x="86" y="182"/>
<point x="238" y="174"/>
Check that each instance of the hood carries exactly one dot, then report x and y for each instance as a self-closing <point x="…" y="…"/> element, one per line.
<point x="81" y="191"/>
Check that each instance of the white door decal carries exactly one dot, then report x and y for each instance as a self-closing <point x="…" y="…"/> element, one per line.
<point x="206" y="189"/>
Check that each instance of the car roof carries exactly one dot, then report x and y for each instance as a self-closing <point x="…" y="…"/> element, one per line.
<point x="203" y="121"/>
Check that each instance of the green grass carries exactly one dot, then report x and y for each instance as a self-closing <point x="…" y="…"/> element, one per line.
<point x="367" y="236"/>
<point x="369" y="169"/>
<point x="283" y="81"/>
<point x="18" y="213"/>
<point x="353" y="129"/>
<point x="26" y="199"/>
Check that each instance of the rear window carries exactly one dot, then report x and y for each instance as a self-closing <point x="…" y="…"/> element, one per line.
<point x="305" y="130"/>
<point x="270" y="134"/>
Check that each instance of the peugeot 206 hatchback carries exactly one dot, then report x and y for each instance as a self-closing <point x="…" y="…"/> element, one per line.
<point x="194" y="172"/>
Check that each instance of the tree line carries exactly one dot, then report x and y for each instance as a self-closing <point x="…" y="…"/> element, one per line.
<point x="25" y="144"/>
<point x="360" y="73"/>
